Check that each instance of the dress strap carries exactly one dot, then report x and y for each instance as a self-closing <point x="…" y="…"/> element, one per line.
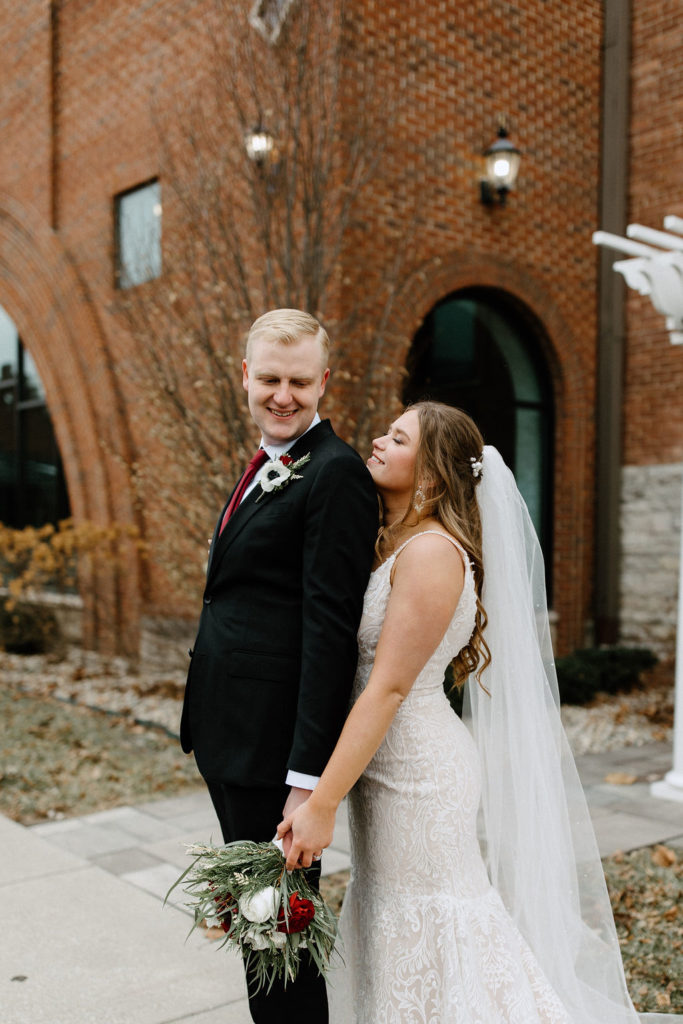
<point x="439" y="533"/>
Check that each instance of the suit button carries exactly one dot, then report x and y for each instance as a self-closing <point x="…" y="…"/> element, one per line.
<point x="207" y="600"/>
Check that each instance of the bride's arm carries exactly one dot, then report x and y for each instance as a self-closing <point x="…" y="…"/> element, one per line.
<point x="428" y="581"/>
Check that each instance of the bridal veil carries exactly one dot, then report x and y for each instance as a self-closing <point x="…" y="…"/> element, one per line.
<point x="536" y="832"/>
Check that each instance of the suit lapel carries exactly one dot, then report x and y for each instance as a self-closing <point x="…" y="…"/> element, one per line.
<point x="258" y="499"/>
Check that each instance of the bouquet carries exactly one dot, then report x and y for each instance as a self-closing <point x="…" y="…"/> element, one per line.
<point x="269" y="915"/>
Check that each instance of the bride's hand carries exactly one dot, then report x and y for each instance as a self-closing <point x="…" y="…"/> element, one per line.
<point x="312" y="829"/>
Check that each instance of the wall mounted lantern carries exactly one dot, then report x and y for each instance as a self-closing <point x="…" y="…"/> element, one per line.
<point x="502" y="164"/>
<point x="259" y="144"/>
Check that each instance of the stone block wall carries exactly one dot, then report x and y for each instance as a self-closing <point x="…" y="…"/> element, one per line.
<point x="651" y="542"/>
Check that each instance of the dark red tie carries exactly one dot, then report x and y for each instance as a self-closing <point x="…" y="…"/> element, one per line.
<point x="244" y="481"/>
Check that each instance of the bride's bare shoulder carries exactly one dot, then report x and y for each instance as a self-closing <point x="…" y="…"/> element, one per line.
<point x="432" y="553"/>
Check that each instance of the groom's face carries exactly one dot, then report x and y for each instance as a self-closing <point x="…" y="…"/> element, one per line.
<point x="284" y="384"/>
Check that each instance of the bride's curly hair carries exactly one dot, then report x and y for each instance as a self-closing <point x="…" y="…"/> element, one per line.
<point x="449" y="443"/>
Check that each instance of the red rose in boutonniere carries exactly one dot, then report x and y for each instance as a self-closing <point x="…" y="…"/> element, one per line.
<point x="301" y="913"/>
<point x="277" y="474"/>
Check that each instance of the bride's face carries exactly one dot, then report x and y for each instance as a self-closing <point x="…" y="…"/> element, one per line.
<point x="392" y="463"/>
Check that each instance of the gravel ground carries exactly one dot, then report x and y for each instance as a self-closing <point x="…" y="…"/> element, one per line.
<point x="87" y="679"/>
<point x="61" y="756"/>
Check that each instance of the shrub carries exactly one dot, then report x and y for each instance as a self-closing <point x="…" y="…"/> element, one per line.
<point x="601" y="670"/>
<point x="28" y="629"/>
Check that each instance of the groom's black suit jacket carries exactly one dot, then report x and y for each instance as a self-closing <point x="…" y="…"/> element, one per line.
<point x="275" y="655"/>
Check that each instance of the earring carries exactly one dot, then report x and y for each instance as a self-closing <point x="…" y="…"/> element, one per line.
<point x="419" y="499"/>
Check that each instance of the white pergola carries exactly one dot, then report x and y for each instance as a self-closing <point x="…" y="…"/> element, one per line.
<point x="655" y="268"/>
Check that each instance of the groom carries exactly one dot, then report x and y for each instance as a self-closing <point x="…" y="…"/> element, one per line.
<point x="271" y="671"/>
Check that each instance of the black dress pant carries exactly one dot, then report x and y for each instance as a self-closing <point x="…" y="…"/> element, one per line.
<point x="246" y="813"/>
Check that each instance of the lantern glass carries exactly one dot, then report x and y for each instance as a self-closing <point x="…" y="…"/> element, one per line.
<point x="502" y="162"/>
<point x="259" y="144"/>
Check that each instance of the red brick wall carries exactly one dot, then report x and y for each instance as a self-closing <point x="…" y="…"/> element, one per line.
<point x="455" y="67"/>
<point x="653" y="409"/>
<point x="452" y="71"/>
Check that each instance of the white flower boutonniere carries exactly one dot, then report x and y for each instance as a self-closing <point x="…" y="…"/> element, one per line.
<point x="277" y="474"/>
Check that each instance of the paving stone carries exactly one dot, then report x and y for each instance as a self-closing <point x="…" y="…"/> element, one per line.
<point x="230" y="1013"/>
<point x="26" y="856"/>
<point x="130" y="821"/>
<point x="173" y="807"/>
<point x="89" y="841"/>
<point x="105" y="952"/>
<point x="156" y="880"/>
<point x="50" y="828"/>
<point x="335" y="860"/>
<point x="620" y="831"/>
<point x="173" y="851"/>
<point x="126" y="861"/>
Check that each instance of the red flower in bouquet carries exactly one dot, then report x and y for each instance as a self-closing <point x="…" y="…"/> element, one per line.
<point x="226" y="905"/>
<point x="301" y="913"/>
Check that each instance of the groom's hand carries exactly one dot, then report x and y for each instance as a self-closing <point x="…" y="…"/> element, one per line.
<point x="295" y="799"/>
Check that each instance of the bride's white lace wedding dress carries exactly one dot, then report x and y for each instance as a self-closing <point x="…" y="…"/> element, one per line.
<point x="424" y="937"/>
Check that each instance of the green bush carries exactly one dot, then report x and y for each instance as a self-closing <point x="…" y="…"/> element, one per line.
<point x="28" y="629"/>
<point x="584" y="673"/>
<point x="601" y="670"/>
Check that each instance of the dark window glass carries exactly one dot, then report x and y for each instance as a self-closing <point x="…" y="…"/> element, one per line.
<point x="479" y="350"/>
<point x="32" y="486"/>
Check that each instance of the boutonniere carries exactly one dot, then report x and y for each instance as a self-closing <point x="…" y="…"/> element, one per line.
<point x="275" y="475"/>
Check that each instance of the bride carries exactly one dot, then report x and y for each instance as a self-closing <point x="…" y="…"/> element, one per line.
<point x="477" y="894"/>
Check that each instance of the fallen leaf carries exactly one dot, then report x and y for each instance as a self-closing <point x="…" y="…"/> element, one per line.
<point x="663" y="857"/>
<point x="620" y="779"/>
<point x="663" y="999"/>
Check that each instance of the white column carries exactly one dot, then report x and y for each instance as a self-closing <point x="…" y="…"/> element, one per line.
<point x="671" y="786"/>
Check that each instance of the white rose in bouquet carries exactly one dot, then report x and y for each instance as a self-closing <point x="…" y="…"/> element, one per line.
<point x="257" y="940"/>
<point x="262" y="906"/>
<point x="279" y="939"/>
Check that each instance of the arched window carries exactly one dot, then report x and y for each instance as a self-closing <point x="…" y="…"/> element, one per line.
<point x="32" y="488"/>
<point x="479" y="349"/>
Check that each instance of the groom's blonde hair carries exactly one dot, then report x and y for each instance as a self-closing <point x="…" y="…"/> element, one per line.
<point x="288" y="326"/>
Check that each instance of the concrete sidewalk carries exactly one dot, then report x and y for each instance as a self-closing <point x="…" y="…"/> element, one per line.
<point x="84" y="939"/>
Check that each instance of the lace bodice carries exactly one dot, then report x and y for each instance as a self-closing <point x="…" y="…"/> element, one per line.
<point x="374" y="609"/>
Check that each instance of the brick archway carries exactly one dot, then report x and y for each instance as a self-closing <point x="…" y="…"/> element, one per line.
<point x="41" y="291"/>
<point x="573" y="393"/>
